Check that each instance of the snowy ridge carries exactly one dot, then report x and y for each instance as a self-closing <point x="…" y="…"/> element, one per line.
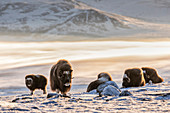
<point x="63" y="17"/>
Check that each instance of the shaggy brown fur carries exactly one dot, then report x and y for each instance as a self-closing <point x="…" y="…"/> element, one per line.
<point x="61" y="77"/>
<point x="133" y="78"/>
<point x="151" y="74"/>
<point x="102" y="78"/>
<point x="105" y="75"/>
<point x="36" y="82"/>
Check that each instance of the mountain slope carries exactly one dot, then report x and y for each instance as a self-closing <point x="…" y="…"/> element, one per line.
<point x="64" y="17"/>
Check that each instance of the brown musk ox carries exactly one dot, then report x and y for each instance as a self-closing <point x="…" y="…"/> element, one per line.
<point x="151" y="74"/>
<point x="61" y="77"/>
<point x="102" y="78"/>
<point x="133" y="78"/>
<point x="33" y="82"/>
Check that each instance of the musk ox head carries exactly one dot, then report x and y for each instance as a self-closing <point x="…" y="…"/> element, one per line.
<point x="151" y="74"/>
<point x="133" y="78"/>
<point x="65" y="75"/>
<point x="29" y="81"/>
<point x="101" y="78"/>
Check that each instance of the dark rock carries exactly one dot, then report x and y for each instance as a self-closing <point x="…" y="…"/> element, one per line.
<point x="34" y="107"/>
<point x="140" y="90"/>
<point x="19" y="109"/>
<point x="110" y="91"/>
<point x="21" y="98"/>
<point x="74" y="99"/>
<point x="52" y="95"/>
<point x="144" y="99"/>
<point x="122" y="108"/>
<point x="102" y="86"/>
<point x="68" y="108"/>
<point x="66" y="96"/>
<point x="50" y="102"/>
<point x="125" y="93"/>
<point x="15" y="99"/>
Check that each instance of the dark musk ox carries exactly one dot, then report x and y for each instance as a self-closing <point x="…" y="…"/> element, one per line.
<point x="36" y="82"/>
<point x="133" y="78"/>
<point x="102" y="78"/>
<point x="151" y="74"/>
<point x="61" y="77"/>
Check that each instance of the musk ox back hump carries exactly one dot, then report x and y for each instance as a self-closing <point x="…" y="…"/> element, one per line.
<point x="151" y="74"/>
<point x="133" y="78"/>
<point x="105" y="76"/>
<point x="60" y="76"/>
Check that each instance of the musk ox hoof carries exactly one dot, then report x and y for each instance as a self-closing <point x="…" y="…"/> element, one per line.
<point x="110" y="91"/>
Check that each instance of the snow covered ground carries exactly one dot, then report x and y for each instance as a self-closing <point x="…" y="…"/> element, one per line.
<point x="154" y="98"/>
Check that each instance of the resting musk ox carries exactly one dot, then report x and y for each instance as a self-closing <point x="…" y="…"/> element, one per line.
<point x="61" y="77"/>
<point x="36" y="82"/>
<point x="102" y="78"/>
<point x="151" y="74"/>
<point x="133" y="78"/>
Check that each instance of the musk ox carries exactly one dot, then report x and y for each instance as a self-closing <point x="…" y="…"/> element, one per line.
<point x="61" y="77"/>
<point x="36" y="82"/>
<point x="133" y="78"/>
<point x="151" y="74"/>
<point x="102" y="78"/>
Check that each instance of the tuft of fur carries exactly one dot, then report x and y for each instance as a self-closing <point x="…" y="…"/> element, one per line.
<point x="151" y="74"/>
<point x="133" y="78"/>
<point x="101" y="78"/>
<point x="61" y="77"/>
<point x="33" y="82"/>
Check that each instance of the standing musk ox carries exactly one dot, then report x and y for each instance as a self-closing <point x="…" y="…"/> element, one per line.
<point x="133" y="78"/>
<point x="36" y="82"/>
<point x="102" y="78"/>
<point x="61" y="77"/>
<point x="151" y="74"/>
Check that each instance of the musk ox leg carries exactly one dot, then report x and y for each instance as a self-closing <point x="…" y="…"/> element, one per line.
<point x="44" y="91"/>
<point x="32" y="92"/>
<point x="57" y="90"/>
